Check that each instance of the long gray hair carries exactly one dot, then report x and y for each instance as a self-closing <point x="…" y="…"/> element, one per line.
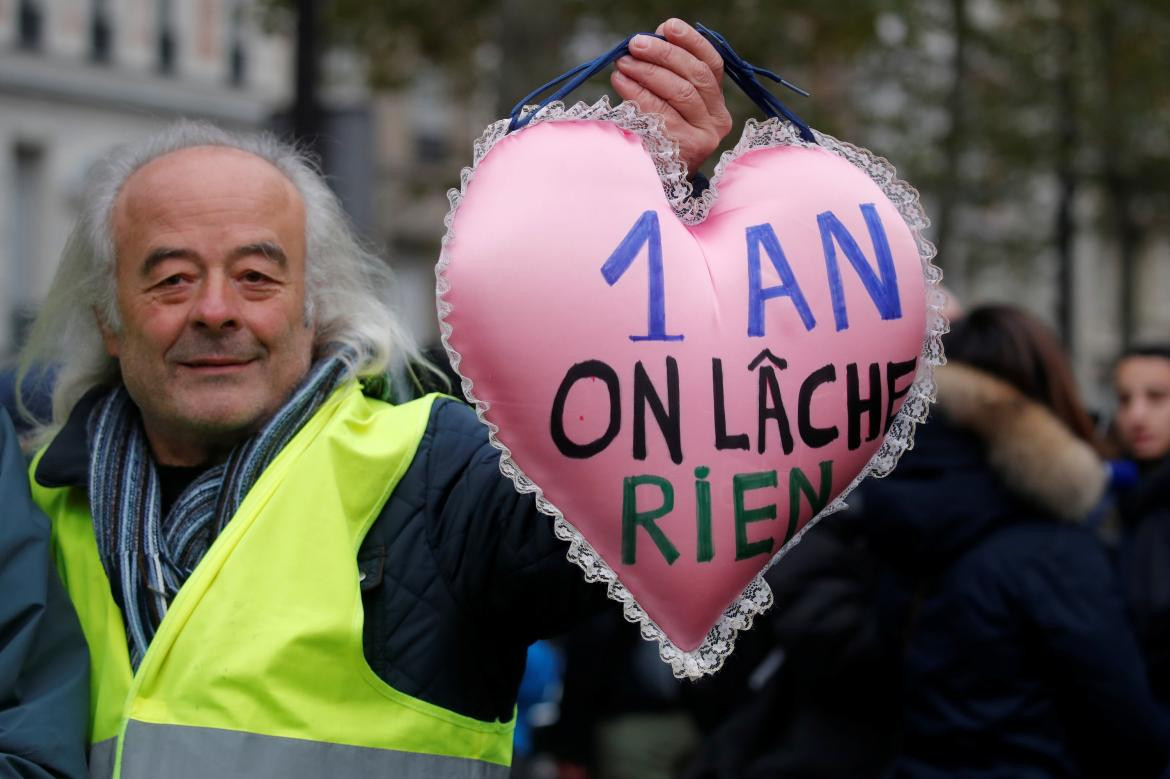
<point x="348" y="288"/>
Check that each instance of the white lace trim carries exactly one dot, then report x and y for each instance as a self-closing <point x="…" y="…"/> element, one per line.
<point x="757" y="596"/>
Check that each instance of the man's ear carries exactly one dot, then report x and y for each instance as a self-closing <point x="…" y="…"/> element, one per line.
<point x="109" y="337"/>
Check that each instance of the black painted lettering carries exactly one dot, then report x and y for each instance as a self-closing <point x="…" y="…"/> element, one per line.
<point x="856" y="405"/>
<point x="894" y="372"/>
<point x="722" y="439"/>
<point x="669" y="421"/>
<point x="771" y="406"/>
<point x="590" y="369"/>
<point x="810" y="434"/>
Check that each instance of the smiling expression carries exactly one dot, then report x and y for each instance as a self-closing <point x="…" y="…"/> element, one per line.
<point x="210" y="247"/>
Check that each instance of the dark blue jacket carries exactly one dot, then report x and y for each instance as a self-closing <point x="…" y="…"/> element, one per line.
<point x="1018" y="660"/>
<point x="44" y="667"/>
<point x="1145" y="569"/>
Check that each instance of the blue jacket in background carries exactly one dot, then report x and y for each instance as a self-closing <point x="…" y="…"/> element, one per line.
<point x="38" y="396"/>
<point x="44" y="665"/>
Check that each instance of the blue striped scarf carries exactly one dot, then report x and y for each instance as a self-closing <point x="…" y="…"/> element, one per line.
<point x="147" y="557"/>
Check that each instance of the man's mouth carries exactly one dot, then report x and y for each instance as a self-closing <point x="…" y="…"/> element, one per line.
<point x="201" y="361"/>
<point x="217" y="364"/>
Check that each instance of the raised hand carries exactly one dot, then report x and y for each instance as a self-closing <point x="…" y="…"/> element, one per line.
<point x="680" y="78"/>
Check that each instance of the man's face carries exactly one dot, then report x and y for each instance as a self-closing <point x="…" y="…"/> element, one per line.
<point x="210" y="246"/>
<point x="1143" y="412"/>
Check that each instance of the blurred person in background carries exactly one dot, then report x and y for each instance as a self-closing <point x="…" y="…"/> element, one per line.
<point x="44" y="680"/>
<point x="36" y="393"/>
<point x="1141" y="379"/>
<point x="537" y="706"/>
<point x="1017" y="658"/>
<point x="811" y="690"/>
<point x="623" y="715"/>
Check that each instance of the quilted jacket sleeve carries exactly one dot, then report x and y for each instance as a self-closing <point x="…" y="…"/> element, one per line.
<point x="498" y="553"/>
<point x="44" y="667"/>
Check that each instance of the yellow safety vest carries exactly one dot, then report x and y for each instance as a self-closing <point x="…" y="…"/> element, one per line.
<point x="257" y="668"/>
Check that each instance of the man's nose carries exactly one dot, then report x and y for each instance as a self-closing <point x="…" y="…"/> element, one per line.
<point x="216" y="305"/>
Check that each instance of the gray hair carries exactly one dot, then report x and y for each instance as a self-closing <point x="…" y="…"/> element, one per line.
<point x="348" y="287"/>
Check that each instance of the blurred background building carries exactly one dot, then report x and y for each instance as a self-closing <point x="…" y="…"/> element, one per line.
<point x="1038" y="132"/>
<point x="79" y="76"/>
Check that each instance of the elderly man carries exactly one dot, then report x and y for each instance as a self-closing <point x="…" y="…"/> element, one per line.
<point x="216" y="469"/>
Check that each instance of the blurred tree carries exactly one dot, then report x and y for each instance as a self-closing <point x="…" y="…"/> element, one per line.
<point x="1005" y="115"/>
<point x="458" y="36"/>
<point x="1129" y="127"/>
<point x="529" y="43"/>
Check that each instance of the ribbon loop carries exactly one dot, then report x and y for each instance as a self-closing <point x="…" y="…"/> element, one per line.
<point x="575" y="78"/>
<point x="743" y="73"/>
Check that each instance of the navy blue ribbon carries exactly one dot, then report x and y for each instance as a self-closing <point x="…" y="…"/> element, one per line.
<point x="739" y="70"/>
<point x="744" y="73"/>
<point x="570" y="81"/>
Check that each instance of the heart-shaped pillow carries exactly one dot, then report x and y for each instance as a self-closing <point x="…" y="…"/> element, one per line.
<point x="686" y="383"/>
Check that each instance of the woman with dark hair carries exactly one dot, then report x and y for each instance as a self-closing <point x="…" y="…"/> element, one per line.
<point x="1014" y="346"/>
<point x="1016" y="655"/>
<point x="1141" y="379"/>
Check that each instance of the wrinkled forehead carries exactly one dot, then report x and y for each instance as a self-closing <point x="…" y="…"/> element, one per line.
<point x="210" y="182"/>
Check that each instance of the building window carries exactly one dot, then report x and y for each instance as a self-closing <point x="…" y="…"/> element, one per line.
<point x="30" y="24"/>
<point x="167" y="42"/>
<point x="101" y="33"/>
<point x="237" y="56"/>
<point x="27" y="198"/>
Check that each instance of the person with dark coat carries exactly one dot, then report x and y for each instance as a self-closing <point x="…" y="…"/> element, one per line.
<point x="44" y="681"/>
<point x="813" y="675"/>
<point x="1017" y="657"/>
<point x="1142" y="382"/>
<point x="623" y="714"/>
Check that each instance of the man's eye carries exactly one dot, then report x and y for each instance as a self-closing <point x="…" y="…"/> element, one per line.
<point x="171" y="281"/>
<point x="254" y="277"/>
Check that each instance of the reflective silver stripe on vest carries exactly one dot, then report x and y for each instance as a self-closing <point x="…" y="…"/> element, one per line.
<point x="181" y="752"/>
<point x="101" y="759"/>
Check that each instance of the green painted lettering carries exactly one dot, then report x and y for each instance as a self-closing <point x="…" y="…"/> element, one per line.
<point x="706" y="547"/>
<point x="742" y="483"/>
<point x="798" y="483"/>
<point x="632" y="519"/>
